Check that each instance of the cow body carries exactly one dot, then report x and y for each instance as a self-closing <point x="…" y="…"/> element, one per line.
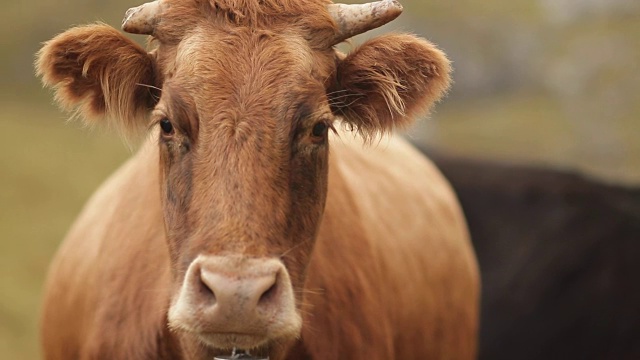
<point x="391" y="244"/>
<point x="236" y="227"/>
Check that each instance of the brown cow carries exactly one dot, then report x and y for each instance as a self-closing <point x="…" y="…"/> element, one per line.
<point x="233" y="226"/>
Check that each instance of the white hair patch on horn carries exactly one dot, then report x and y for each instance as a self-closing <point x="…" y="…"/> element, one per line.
<point x="142" y="19"/>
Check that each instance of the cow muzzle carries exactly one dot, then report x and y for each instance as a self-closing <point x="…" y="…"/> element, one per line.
<point x="235" y="302"/>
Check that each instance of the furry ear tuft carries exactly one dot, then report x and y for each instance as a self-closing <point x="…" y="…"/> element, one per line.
<point x="388" y="81"/>
<point x="97" y="72"/>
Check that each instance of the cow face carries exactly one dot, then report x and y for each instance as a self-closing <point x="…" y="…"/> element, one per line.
<point x="244" y="159"/>
<point x="242" y="96"/>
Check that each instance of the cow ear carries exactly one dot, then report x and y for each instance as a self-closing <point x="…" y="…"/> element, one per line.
<point x="99" y="73"/>
<point x="387" y="81"/>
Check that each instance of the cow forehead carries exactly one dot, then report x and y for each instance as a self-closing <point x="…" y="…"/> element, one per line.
<point x="209" y="52"/>
<point x="255" y="74"/>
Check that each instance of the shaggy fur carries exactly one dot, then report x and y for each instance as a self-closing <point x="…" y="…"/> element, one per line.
<point x="306" y="17"/>
<point x="387" y="81"/>
<point x="97" y="72"/>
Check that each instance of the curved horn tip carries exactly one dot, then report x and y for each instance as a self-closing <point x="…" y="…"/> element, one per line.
<point x="390" y="10"/>
<point x="394" y="6"/>
<point x="141" y="19"/>
<point x="359" y="18"/>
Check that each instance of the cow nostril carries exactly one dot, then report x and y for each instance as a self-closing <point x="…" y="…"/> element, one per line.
<point x="269" y="294"/>
<point x="205" y="290"/>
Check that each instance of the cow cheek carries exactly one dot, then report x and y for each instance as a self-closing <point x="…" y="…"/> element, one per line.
<point x="176" y="178"/>
<point x="309" y="192"/>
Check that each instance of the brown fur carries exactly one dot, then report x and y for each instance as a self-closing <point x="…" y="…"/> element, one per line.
<point x="98" y="72"/>
<point x="244" y="83"/>
<point x="377" y="96"/>
<point x="308" y="17"/>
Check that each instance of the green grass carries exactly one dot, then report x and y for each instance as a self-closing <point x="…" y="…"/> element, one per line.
<point x="49" y="169"/>
<point x="473" y="10"/>
<point x="533" y="128"/>
<point x="493" y="127"/>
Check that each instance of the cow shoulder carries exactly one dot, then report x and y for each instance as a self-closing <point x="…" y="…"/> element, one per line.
<point x="110" y="260"/>
<point x="391" y="220"/>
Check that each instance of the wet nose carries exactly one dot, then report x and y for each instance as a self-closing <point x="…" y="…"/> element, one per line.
<point x="239" y="292"/>
<point x="234" y="301"/>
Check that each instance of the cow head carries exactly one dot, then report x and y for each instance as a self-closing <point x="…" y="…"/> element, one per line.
<point x="241" y="96"/>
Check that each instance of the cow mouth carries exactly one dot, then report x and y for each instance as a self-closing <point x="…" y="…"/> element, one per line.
<point x="235" y="341"/>
<point x="237" y="354"/>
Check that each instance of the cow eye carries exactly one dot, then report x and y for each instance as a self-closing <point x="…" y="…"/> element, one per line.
<point x="166" y="126"/>
<point x="320" y="130"/>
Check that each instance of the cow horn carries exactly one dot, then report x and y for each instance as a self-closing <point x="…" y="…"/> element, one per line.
<point x="359" y="18"/>
<point x="142" y="19"/>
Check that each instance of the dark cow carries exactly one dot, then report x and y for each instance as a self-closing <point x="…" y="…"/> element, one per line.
<point x="560" y="261"/>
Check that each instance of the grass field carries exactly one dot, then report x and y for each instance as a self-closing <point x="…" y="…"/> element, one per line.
<point x="533" y="128"/>
<point x="49" y="168"/>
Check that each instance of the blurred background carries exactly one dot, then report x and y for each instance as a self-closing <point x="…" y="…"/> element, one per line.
<point x="554" y="83"/>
